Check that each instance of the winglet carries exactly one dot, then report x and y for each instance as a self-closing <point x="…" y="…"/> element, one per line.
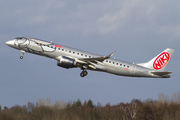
<point x="110" y="55"/>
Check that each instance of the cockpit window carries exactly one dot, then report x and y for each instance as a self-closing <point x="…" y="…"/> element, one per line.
<point x="34" y="39"/>
<point x="21" y="39"/>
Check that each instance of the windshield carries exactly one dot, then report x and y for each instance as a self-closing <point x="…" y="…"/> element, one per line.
<point x="23" y="39"/>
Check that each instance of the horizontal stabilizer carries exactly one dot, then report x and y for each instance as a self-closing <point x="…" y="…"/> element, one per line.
<point x="162" y="74"/>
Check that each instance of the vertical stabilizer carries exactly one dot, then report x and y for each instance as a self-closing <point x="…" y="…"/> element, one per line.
<point x="160" y="61"/>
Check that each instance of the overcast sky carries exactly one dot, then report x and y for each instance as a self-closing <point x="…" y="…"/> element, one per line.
<point x="137" y="30"/>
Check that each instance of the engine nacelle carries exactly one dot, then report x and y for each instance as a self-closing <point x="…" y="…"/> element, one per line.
<point x="66" y="62"/>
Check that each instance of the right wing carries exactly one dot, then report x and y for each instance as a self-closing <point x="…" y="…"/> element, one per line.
<point x="89" y="62"/>
<point x="100" y="59"/>
<point x="92" y="62"/>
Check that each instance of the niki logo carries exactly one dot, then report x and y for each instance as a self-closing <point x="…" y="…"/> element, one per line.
<point x="161" y="60"/>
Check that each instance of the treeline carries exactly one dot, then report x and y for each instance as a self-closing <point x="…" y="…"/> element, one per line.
<point x="162" y="109"/>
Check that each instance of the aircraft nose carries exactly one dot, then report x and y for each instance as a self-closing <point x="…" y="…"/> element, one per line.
<point x="10" y="43"/>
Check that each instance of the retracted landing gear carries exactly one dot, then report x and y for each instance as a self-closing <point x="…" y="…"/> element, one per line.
<point x="22" y="52"/>
<point x="83" y="73"/>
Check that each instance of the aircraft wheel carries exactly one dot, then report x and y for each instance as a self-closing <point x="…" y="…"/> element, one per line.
<point x="21" y="57"/>
<point x="85" y="73"/>
<point x="82" y="74"/>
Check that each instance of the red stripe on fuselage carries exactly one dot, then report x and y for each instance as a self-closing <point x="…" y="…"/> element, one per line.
<point x="58" y="46"/>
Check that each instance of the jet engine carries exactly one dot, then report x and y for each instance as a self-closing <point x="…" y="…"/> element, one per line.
<point x="66" y="62"/>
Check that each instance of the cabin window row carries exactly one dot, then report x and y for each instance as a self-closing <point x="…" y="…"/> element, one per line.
<point x="118" y="64"/>
<point x="65" y="50"/>
<point x="75" y="53"/>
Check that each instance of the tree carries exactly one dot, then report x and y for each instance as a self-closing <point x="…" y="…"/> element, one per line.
<point x="85" y="103"/>
<point x="5" y="107"/>
<point x="90" y="103"/>
<point x="78" y="103"/>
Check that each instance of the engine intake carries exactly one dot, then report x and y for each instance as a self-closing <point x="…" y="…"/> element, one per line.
<point x="66" y="62"/>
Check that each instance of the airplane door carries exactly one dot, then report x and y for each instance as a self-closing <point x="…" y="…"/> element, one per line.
<point x="30" y="44"/>
<point x="35" y="47"/>
<point x="133" y="69"/>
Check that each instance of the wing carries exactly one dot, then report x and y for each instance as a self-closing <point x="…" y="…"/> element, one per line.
<point x="100" y="59"/>
<point x="87" y="62"/>
<point x="92" y="62"/>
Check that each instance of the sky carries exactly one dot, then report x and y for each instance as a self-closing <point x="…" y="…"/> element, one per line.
<point x="137" y="30"/>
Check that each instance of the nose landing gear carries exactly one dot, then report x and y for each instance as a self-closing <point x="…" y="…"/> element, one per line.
<point x="83" y="73"/>
<point x="22" y="52"/>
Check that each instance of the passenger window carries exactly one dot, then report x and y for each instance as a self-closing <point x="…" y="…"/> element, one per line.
<point x="124" y="65"/>
<point x="113" y="62"/>
<point x="81" y="54"/>
<point x="69" y="51"/>
<point x="127" y="66"/>
<point x="109" y="61"/>
<point x="116" y="63"/>
<point x="89" y="56"/>
<point x="120" y="64"/>
<point x="58" y="48"/>
<point x="73" y="52"/>
<point x="77" y="53"/>
<point x="62" y="49"/>
<point x="106" y="60"/>
<point x="85" y="55"/>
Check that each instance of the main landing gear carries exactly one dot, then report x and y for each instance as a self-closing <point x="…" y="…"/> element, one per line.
<point x="83" y="73"/>
<point x="22" y="52"/>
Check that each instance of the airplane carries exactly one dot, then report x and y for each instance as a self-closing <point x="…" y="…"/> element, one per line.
<point x="68" y="57"/>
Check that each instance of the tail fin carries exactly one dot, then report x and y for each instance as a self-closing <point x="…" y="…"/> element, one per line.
<point x="160" y="61"/>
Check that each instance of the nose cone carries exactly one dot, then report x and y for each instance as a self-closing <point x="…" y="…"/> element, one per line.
<point x="10" y="43"/>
